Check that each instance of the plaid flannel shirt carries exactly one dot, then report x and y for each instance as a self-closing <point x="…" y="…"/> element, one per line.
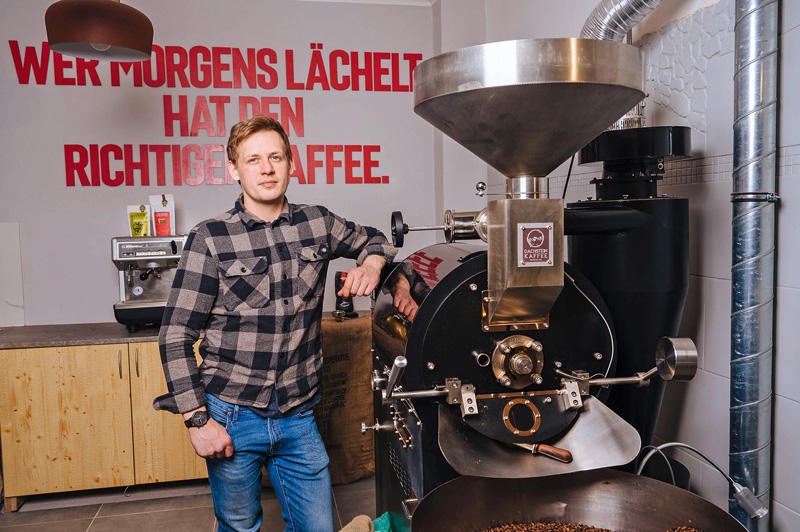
<point x="256" y="290"/>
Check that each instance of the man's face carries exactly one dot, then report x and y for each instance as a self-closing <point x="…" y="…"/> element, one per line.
<point x="262" y="169"/>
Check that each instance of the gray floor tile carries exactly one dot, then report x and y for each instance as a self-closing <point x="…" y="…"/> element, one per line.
<point x="273" y="520"/>
<point x="78" y="525"/>
<point x="184" y="520"/>
<point x="156" y="505"/>
<point x="355" y="503"/>
<point x="49" y="516"/>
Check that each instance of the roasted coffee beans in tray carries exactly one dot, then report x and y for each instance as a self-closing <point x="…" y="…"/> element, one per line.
<point x="558" y="527"/>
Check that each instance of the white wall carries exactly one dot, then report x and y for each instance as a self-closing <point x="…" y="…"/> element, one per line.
<point x="65" y="231"/>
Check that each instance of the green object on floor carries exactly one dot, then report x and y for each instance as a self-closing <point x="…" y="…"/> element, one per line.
<point x="392" y="522"/>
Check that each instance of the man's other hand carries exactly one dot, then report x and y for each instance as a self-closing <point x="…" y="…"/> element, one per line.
<point x="363" y="280"/>
<point x="401" y="296"/>
<point x="211" y="440"/>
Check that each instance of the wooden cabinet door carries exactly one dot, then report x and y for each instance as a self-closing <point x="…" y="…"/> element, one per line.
<point x="163" y="452"/>
<point x="65" y="419"/>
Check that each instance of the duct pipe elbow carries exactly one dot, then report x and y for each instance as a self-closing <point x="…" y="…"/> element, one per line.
<point x="611" y="20"/>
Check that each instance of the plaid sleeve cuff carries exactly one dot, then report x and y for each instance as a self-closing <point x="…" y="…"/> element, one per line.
<point x="181" y="402"/>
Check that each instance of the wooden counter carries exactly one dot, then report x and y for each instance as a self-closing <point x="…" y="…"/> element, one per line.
<point x="73" y="334"/>
<point x="76" y="409"/>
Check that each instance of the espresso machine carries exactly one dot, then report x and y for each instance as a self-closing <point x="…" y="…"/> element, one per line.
<point x="147" y="268"/>
<point x="544" y="332"/>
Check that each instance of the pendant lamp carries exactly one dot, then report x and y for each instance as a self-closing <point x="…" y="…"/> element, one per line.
<point x="99" y="29"/>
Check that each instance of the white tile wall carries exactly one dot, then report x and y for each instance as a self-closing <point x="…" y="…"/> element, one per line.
<point x="697" y="413"/>
<point x="786" y="465"/>
<point x="718" y="327"/>
<point x="787" y="345"/>
<point x="693" y="321"/>
<point x="788" y="273"/>
<point x="720" y="106"/>
<point x="789" y="79"/>
<point x="784" y="519"/>
<point x="709" y="227"/>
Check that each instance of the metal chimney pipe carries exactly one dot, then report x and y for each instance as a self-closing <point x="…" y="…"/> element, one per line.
<point x="611" y="20"/>
<point x="753" y="262"/>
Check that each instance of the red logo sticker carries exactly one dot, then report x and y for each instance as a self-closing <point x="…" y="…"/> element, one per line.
<point x="535" y="244"/>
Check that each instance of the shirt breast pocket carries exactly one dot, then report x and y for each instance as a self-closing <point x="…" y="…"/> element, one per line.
<point x="244" y="284"/>
<point x="311" y="271"/>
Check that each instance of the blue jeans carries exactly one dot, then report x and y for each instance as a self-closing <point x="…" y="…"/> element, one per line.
<point x="296" y="461"/>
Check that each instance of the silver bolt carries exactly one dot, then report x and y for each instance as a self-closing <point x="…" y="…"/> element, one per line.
<point x="573" y="394"/>
<point x="546" y="325"/>
<point x="470" y="409"/>
<point x="516" y="432"/>
<point x="549" y="261"/>
<point x="473" y="287"/>
<point x="431" y="366"/>
<point x="505" y="381"/>
<point x="515" y="327"/>
<point x="557" y="364"/>
<point x="548" y="400"/>
<point x="575" y="403"/>
<point x="505" y="348"/>
<point x="522" y="263"/>
<point x="469" y="401"/>
<point x="485" y="327"/>
<point x="598" y="356"/>
<point x="537" y="379"/>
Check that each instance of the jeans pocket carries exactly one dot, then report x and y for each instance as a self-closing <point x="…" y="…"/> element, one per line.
<point x="220" y="413"/>
<point x="316" y="447"/>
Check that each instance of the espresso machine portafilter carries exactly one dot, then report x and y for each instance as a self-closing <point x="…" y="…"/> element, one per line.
<point x="146" y="270"/>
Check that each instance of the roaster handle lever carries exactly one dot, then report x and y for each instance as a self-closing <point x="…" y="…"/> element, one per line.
<point x="398" y="366"/>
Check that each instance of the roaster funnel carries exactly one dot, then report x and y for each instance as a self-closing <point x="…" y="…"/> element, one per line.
<point x="526" y="106"/>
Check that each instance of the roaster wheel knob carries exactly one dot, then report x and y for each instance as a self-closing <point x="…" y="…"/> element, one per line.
<point x="399" y="229"/>
<point x="521" y="364"/>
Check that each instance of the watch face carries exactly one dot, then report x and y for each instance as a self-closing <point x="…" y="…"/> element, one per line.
<point x="199" y="418"/>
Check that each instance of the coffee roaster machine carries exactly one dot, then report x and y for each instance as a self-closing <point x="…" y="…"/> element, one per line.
<point x="528" y="367"/>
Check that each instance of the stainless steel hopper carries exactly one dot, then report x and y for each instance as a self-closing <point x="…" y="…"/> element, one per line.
<point x="525" y="106"/>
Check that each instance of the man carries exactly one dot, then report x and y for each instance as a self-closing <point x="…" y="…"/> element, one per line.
<point x="253" y="279"/>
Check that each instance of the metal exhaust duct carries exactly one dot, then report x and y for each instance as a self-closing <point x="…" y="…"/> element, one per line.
<point x="611" y="20"/>
<point x="753" y="263"/>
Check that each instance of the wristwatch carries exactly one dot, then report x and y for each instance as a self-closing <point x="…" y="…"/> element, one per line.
<point x="198" y="419"/>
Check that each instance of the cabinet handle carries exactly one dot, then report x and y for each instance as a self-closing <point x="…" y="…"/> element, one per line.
<point x="120" y="363"/>
<point x="137" y="362"/>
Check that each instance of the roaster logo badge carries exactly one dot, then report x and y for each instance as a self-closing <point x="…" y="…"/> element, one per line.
<point x="535" y="244"/>
<point x="535" y="238"/>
